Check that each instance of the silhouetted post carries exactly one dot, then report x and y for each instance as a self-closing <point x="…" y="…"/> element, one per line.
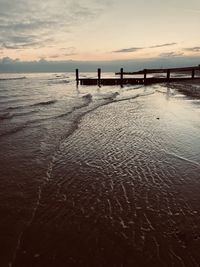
<point x="168" y="75"/>
<point x="99" y="77"/>
<point x="77" y="77"/>
<point x="145" y="76"/>
<point x="193" y="73"/>
<point x="121" y="76"/>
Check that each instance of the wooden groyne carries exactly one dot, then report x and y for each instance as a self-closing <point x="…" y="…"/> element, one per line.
<point x="122" y="78"/>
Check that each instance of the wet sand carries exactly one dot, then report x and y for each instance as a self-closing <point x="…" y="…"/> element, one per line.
<point x="122" y="190"/>
<point x="105" y="177"/>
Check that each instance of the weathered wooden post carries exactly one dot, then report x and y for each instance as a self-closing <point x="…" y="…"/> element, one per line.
<point x="145" y="76"/>
<point x="193" y="73"/>
<point x="77" y="78"/>
<point x="168" y="75"/>
<point x="99" y="77"/>
<point x="121" y="76"/>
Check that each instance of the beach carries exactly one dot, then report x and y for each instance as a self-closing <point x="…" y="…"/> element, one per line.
<point x="98" y="176"/>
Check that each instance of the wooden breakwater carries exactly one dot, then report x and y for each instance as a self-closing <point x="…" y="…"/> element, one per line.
<point x="123" y="78"/>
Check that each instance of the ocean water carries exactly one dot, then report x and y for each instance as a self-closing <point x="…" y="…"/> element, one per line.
<point x="98" y="177"/>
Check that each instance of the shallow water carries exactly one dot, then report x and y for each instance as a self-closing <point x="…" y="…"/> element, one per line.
<point x="97" y="176"/>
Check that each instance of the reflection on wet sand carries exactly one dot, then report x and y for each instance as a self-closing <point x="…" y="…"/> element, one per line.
<point x="123" y="190"/>
<point x="98" y="176"/>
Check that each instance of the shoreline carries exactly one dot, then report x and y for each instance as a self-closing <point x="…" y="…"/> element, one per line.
<point x="189" y="88"/>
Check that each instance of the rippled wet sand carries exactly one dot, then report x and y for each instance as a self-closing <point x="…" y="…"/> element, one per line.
<point x="123" y="190"/>
<point x="100" y="179"/>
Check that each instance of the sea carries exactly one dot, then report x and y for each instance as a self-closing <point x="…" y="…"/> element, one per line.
<point x="97" y="176"/>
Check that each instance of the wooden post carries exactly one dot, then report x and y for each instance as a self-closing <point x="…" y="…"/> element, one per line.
<point x="193" y="73"/>
<point x="168" y="74"/>
<point x="145" y="76"/>
<point x="77" y="77"/>
<point x="121" y="76"/>
<point x="99" y="77"/>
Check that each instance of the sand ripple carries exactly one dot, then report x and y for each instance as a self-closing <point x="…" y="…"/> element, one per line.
<point x="121" y="191"/>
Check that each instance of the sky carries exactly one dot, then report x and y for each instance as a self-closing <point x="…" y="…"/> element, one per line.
<point x="102" y="31"/>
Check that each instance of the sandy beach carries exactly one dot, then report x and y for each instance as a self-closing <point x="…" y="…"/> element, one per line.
<point x="99" y="177"/>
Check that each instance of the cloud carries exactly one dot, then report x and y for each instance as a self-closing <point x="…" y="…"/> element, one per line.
<point x="8" y="60"/>
<point x="162" y="45"/>
<point x="14" y="65"/>
<point x="26" y="43"/>
<point x="61" y="55"/>
<point x="128" y="50"/>
<point x="193" y="49"/>
<point x="30" y="23"/>
<point x="171" y="54"/>
<point x="134" y="49"/>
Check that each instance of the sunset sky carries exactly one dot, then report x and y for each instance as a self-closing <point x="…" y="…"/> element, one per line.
<point x="95" y="30"/>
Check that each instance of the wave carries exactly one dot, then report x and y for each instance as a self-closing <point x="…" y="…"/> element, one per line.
<point x="61" y="76"/>
<point x="133" y="88"/>
<point x="57" y="76"/>
<point x="108" y="96"/>
<point x="25" y="113"/>
<point x="58" y="81"/>
<point x="15" y="78"/>
<point x="14" y="130"/>
<point x="6" y="116"/>
<point x="87" y="100"/>
<point x="21" y="107"/>
<point x="63" y="81"/>
<point x="44" y="103"/>
<point x="16" y="108"/>
<point x="87" y="96"/>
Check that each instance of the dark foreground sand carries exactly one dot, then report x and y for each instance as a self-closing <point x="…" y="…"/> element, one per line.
<point x="123" y="190"/>
<point x="111" y="182"/>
